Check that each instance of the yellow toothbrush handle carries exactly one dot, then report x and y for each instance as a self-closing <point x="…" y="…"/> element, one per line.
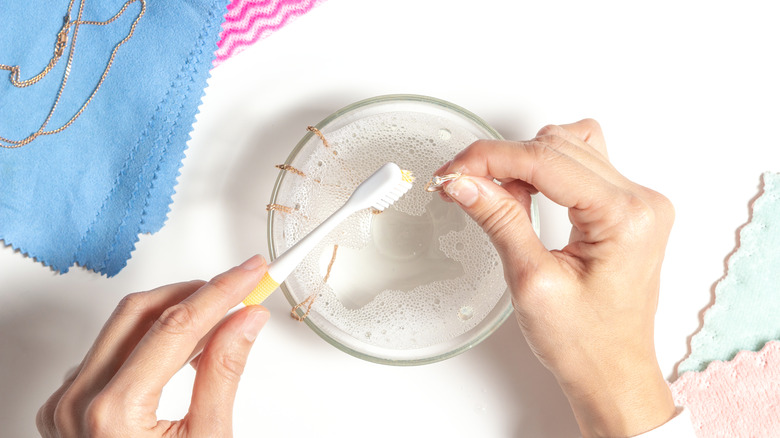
<point x="261" y="291"/>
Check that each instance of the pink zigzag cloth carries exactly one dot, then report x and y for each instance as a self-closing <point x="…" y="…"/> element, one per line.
<point x="248" y="21"/>
<point x="739" y="398"/>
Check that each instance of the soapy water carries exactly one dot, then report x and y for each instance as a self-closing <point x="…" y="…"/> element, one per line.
<point x="419" y="273"/>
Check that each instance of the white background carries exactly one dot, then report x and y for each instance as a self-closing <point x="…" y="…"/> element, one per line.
<point x="687" y="94"/>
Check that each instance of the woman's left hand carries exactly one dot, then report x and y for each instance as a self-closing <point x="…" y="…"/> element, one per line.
<point x="149" y="337"/>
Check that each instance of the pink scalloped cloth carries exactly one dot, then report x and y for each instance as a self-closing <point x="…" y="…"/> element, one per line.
<point x="738" y="398"/>
<point x="248" y="21"/>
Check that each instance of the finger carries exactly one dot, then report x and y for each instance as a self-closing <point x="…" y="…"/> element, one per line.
<point x="505" y="219"/>
<point x="520" y="189"/>
<point x="219" y="371"/>
<point x="442" y="170"/>
<point x="44" y="419"/>
<point x="567" y="143"/>
<point x="445" y="197"/>
<point x="170" y="341"/>
<point x="583" y="142"/>
<point x="121" y="332"/>
<point x="561" y="178"/>
<point x="195" y="355"/>
<point x="131" y="319"/>
<point x="589" y="131"/>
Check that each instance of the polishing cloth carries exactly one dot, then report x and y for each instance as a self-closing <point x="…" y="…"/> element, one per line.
<point x="739" y="398"/>
<point x="84" y="194"/>
<point x="746" y="310"/>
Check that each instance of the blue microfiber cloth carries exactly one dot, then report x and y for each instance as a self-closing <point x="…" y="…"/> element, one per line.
<point x="84" y="194"/>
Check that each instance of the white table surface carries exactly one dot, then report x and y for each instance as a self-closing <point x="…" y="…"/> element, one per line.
<point x="688" y="94"/>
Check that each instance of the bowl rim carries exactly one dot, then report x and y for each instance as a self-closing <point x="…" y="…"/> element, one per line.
<point x="479" y="337"/>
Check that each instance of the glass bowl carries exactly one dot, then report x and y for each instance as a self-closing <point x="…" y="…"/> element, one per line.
<point x="417" y="283"/>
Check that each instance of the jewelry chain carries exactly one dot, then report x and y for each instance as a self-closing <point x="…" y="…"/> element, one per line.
<point x="59" y="49"/>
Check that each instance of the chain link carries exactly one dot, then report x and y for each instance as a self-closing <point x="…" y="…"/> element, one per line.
<point x="59" y="49"/>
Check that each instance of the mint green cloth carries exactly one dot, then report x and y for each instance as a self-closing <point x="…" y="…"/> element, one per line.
<point x="746" y="311"/>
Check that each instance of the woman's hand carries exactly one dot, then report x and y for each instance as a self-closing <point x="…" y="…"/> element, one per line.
<point x="149" y="337"/>
<point x="587" y="310"/>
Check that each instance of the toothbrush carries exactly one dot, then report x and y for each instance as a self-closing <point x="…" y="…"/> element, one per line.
<point x="379" y="191"/>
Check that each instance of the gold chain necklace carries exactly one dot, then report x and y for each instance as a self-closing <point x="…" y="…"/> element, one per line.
<point x="59" y="50"/>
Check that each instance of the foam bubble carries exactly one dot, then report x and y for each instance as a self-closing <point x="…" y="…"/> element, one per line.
<point x="430" y="309"/>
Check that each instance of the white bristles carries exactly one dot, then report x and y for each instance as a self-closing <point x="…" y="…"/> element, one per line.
<point x="379" y="191"/>
<point x="392" y="196"/>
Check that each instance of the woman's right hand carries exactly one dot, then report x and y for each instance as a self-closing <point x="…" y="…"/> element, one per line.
<point x="117" y="388"/>
<point x="587" y="310"/>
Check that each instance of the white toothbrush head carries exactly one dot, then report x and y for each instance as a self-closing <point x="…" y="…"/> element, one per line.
<point x="379" y="191"/>
<point x="383" y="188"/>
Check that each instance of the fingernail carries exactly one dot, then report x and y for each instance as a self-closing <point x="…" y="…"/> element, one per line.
<point x="463" y="190"/>
<point x="253" y="323"/>
<point x="253" y="263"/>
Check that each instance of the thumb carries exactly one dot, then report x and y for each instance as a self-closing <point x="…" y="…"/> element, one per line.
<point x="219" y="371"/>
<point x="504" y="218"/>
